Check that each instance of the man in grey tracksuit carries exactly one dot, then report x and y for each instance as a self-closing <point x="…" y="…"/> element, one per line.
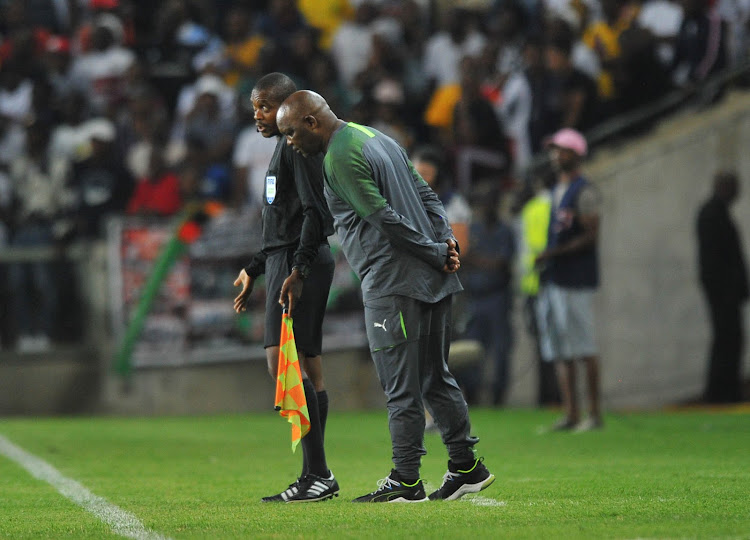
<point x="396" y="237"/>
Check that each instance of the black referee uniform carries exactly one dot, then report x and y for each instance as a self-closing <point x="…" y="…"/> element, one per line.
<point x="296" y="225"/>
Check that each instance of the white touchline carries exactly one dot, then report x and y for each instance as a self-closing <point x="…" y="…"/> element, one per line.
<point x="122" y="522"/>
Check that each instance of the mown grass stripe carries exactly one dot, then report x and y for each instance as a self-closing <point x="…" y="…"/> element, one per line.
<point x="122" y="522"/>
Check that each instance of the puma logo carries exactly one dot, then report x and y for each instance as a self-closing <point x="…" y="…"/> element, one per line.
<point x="378" y="325"/>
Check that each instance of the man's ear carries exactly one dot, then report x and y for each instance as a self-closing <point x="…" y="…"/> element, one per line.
<point x="311" y="121"/>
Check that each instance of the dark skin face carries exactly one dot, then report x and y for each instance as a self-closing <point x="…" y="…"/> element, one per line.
<point x="302" y="134"/>
<point x="265" y="107"/>
<point x="563" y="159"/>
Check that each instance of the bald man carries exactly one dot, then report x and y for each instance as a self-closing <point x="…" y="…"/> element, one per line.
<point x="395" y="235"/>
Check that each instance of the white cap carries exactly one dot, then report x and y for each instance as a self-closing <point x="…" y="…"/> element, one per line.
<point x="209" y="84"/>
<point x="100" y="129"/>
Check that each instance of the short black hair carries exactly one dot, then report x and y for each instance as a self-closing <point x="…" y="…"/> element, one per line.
<point x="277" y="85"/>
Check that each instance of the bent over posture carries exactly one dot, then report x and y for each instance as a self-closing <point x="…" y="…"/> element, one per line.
<point x="395" y="235"/>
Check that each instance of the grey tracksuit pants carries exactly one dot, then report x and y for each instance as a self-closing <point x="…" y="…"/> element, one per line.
<point x="409" y="341"/>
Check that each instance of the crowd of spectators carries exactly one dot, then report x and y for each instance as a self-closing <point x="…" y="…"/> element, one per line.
<point x="117" y="106"/>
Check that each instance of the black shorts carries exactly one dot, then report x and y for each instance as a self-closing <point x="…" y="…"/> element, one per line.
<point x="309" y="308"/>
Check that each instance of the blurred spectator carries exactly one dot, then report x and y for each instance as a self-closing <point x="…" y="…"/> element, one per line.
<point x="16" y="93"/>
<point x="243" y="47"/>
<point x="442" y="62"/>
<point x="207" y="122"/>
<point x="326" y="82"/>
<point x="102" y="183"/>
<point x="302" y="56"/>
<point x="58" y="65"/>
<point x="209" y="82"/>
<point x="663" y="19"/>
<point x="571" y="275"/>
<point x="101" y="70"/>
<point x="569" y="98"/>
<point x="326" y="16"/>
<point x="507" y="35"/>
<point x="430" y="165"/>
<point x="639" y="76"/>
<point x="445" y="50"/>
<point x="157" y="193"/>
<point x="278" y="24"/>
<point x="478" y="134"/>
<point x="536" y="74"/>
<point x="603" y="37"/>
<point x="509" y="91"/>
<point x="736" y="15"/>
<point x="486" y="273"/>
<point x="701" y="44"/>
<point x="723" y="277"/>
<point x="389" y="118"/>
<point x="40" y="196"/>
<point x="68" y="136"/>
<point x="352" y="44"/>
<point x="141" y="125"/>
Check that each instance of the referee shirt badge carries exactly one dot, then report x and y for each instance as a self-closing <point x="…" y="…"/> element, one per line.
<point x="270" y="189"/>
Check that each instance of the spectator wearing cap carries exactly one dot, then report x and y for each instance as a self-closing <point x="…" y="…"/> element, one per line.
<point x="103" y="185"/>
<point x="210" y="82"/>
<point x="101" y="70"/>
<point x="570" y="276"/>
<point x="40" y="195"/>
<point x="58" y="65"/>
<point x="208" y="139"/>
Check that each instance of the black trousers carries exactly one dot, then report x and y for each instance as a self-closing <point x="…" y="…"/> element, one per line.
<point x="724" y="380"/>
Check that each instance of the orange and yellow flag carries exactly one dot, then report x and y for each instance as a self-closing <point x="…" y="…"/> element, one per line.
<point x="290" y="394"/>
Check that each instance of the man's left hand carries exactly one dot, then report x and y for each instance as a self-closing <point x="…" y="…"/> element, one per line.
<point x="291" y="290"/>
<point x="453" y="263"/>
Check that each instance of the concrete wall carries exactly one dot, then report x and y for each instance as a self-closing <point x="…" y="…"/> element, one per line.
<point x="652" y="321"/>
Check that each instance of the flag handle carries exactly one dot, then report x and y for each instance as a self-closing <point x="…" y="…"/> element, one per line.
<point x="276" y="407"/>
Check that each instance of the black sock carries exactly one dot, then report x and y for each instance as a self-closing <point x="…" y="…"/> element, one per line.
<point x="305" y="461"/>
<point x="312" y="443"/>
<point x="323" y="408"/>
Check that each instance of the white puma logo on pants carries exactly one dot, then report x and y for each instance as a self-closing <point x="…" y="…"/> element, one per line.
<point x="378" y="325"/>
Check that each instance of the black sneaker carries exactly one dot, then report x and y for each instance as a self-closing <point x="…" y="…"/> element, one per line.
<point x="285" y="495"/>
<point x="313" y="488"/>
<point x="457" y="483"/>
<point x="391" y="489"/>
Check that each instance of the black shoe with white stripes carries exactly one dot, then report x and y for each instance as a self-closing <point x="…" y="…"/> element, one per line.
<point x="285" y="495"/>
<point x="313" y="488"/>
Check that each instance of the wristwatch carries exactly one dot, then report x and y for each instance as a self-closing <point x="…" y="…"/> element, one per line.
<point x="302" y="269"/>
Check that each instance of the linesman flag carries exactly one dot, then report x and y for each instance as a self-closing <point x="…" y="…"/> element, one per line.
<point x="290" y="394"/>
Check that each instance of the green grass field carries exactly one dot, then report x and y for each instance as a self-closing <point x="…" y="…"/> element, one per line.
<point x="666" y="475"/>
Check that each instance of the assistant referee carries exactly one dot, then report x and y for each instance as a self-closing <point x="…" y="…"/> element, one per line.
<point x="297" y="262"/>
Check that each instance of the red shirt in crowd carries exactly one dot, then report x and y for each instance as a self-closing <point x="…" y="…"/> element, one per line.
<point x="161" y="196"/>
